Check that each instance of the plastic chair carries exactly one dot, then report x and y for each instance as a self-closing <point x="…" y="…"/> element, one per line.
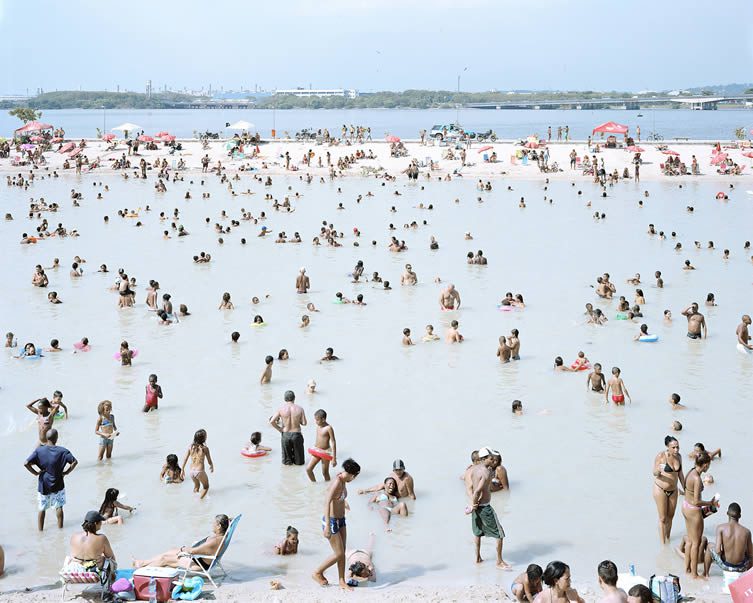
<point x="216" y="559"/>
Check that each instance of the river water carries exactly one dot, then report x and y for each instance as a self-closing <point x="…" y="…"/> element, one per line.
<point x="580" y="475"/>
<point x="508" y="124"/>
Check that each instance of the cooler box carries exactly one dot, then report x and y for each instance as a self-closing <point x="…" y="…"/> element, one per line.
<point x="163" y="576"/>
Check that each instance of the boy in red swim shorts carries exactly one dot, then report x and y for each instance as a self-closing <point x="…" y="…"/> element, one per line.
<point x="617" y="386"/>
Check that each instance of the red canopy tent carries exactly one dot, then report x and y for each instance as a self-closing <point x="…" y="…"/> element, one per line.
<point x="33" y="126"/>
<point x="611" y="128"/>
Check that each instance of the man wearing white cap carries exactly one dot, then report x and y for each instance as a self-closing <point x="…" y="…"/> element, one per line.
<point x="484" y="520"/>
<point x="302" y="283"/>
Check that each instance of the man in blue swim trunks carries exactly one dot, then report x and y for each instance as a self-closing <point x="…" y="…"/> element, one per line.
<point x="733" y="551"/>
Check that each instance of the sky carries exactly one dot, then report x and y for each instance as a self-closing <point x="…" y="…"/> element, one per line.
<point x="374" y="45"/>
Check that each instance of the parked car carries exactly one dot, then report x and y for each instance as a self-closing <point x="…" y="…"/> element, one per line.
<point x="445" y="131"/>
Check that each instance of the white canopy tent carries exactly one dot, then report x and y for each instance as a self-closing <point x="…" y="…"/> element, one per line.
<point x="126" y="127"/>
<point x="241" y="125"/>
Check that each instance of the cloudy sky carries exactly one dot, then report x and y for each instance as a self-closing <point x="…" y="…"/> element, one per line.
<point x="376" y="45"/>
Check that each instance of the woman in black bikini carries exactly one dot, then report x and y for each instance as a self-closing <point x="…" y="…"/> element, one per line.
<point x="667" y="472"/>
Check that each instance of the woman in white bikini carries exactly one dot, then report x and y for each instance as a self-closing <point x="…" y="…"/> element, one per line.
<point x="198" y="452"/>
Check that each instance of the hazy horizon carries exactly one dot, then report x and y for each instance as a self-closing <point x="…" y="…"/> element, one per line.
<point x="390" y="45"/>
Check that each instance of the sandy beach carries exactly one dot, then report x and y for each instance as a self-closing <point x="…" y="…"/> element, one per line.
<point x="271" y="155"/>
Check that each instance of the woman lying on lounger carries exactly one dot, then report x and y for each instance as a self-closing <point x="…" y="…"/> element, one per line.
<point x="182" y="557"/>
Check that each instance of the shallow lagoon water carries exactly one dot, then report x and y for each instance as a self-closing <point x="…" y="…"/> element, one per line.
<point x="580" y="475"/>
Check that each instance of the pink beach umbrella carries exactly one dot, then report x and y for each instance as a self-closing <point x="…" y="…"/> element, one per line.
<point x="168" y="138"/>
<point x="145" y="138"/>
<point x="669" y="152"/>
<point x="392" y="138"/>
<point x="532" y="145"/>
<point x="718" y="158"/>
<point x="485" y="148"/>
<point x="635" y="149"/>
<point x="108" y="137"/>
<point x="66" y="147"/>
<point x="161" y="134"/>
<point x="749" y="155"/>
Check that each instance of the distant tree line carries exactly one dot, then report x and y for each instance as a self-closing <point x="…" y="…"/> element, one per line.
<point x="71" y="99"/>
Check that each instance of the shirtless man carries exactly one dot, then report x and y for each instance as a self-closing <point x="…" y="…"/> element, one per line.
<point x="325" y="448"/>
<point x="449" y="299"/>
<point x="288" y="420"/>
<point x="514" y="342"/>
<point x="602" y="289"/>
<point x="696" y="322"/>
<point x="266" y="376"/>
<point x="607" y="572"/>
<point x="742" y="334"/>
<point x="408" y="277"/>
<point x="403" y="479"/>
<point x="596" y="380"/>
<point x="733" y="551"/>
<point x="617" y="386"/>
<point x="302" y="283"/>
<point x="503" y="351"/>
<point x="453" y="335"/>
<point x="484" y="520"/>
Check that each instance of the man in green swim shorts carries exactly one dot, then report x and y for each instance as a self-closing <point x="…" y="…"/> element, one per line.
<point x="484" y="520"/>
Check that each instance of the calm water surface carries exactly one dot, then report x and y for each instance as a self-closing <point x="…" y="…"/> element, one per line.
<point x="580" y="475"/>
<point x="669" y="123"/>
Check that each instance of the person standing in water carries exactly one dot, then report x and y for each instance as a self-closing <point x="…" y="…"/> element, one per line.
<point x="696" y="322"/>
<point x="667" y="474"/>
<point x="618" y="388"/>
<point x="325" y="447"/>
<point x="288" y="420"/>
<point x="484" y="520"/>
<point x="198" y="452"/>
<point x="449" y="298"/>
<point x="153" y="394"/>
<point x="333" y="524"/>
<point x="743" y="337"/>
<point x="302" y="283"/>
<point x="693" y="510"/>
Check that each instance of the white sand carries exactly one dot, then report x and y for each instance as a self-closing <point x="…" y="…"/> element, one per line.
<point x="272" y="154"/>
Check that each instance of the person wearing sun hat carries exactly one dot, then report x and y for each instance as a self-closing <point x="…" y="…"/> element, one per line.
<point x="484" y="520"/>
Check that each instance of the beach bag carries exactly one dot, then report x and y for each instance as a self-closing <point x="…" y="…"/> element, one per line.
<point x="665" y="589"/>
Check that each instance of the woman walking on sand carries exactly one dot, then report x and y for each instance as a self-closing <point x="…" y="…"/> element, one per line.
<point x="667" y="474"/>
<point x="333" y="524"/>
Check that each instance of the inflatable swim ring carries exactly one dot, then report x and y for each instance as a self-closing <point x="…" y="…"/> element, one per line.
<point x="648" y="338"/>
<point x="503" y="308"/>
<point x="116" y="355"/>
<point x="253" y="454"/>
<point x="720" y="195"/>
<point x="258" y="324"/>
<point x="743" y="350"/>
<point x="60" y="414"/>
<point x="320" y="454"/>
<point x="583" y="367"/>
<point x="621" y="316"/>
<point x="81" y="347"/>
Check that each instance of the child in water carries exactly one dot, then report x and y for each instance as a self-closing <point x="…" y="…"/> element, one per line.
<point x="153" y="394"/>
<point x="289" y="546"/>
<point x="198" y="452"/>
<point x="105" y="429"/>
<point x="171" y="473"/>
<point x="126" y="354"/>
<point x="110" y="506"/>
<point x="254" y="444"/>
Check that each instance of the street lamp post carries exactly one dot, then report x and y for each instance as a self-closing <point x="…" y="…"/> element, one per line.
<point x="457" y="104"/>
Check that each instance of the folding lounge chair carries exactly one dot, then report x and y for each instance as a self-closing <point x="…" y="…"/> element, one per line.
<point x="86" y="578"/>
<point x="215" y="561"/>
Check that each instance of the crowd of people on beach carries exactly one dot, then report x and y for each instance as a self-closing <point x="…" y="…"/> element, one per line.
<point x="731" y="550"/>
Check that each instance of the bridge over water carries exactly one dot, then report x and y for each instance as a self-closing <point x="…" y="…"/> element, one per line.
<point x="630" y="103"/>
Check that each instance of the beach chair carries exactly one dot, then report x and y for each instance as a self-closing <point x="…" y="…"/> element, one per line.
<point x="486" y="157"/>
<point x="85" y="578"/>
<point x="215" y="561"/>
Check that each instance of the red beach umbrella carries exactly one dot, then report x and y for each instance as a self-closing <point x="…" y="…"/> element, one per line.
<point x="67" y="147"/>
<point x="161" y="134"/>
<point x="668" y="152"/>
<point x="108" y="137"/>
<point x="167" y="137"/>
<point x="392" y="138"/>
<point x="34" y="126"/>
<point x="486" y="148"/>
<point x="145" y="138"/>
<point x="611" y="127"/>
